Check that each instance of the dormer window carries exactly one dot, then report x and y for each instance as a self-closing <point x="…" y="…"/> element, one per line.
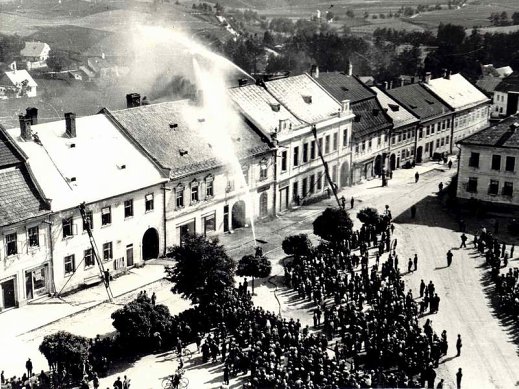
<point x="283" y="124"/>
<point x="275" y="107"/>
<point x="173" y="126"/>
<point x="183" y="152"/>
<point x="307" y="99"/>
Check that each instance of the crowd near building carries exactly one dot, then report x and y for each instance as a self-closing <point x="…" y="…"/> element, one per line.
<point x="149" y="174"/>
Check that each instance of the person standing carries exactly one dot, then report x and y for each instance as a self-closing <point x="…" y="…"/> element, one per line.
<point x="153" y="298"/>
<point x="410" y="265"/>
<point x="440" y="384"/>
<point x="449" y="258"/>
<point x="422" y="288"/>
<point x="415" y="260"/>
<point x="512" y="251"/>
<point x="458" y="345"/>
<point x="459" y="375"/>
<point x="413" y="211"/>
<point x="416" y="177"/>
<point x="352" y="202"/>
<point x="463" y="240"/>
<point x="126" y="383"/>
<point x="28" y="366"/>
<point x="226" y="374"/>
<point x="450" y="165"/>
<point x="118" y="384"/>
<point x="95" y="381"/>
<point x="440" y="187"/>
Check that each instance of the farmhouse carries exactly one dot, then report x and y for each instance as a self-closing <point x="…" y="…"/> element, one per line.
<point x="35" y="54"/>
<point x="17" y="83"/>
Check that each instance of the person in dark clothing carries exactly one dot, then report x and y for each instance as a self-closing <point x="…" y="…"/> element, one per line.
<point x="450" y="165"/>
<point x="226" y="374"/>
<point x="449" y="258"/>
<point x="415" y="260"/>
<point x="343" y="202"/>
<point x="107" y="277"/>
<point x="422" y="288"/>
<point x="413" y="211"/>
<point x="410" y="265"/>
<point x="28" y="366"/>
<point x="352" y="202"/>
<point x="440" y="187"/>
<point x="463" y="240"/>
<point x="153" y="298"/>
<point x="416" y="177"/>
<point x="118" y="384"/>
<point x="459" y="375"/>
<point x="458" y="345"/>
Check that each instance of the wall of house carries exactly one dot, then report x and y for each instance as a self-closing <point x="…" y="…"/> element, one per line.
<point x="402" y="146"/>
<point x="121" y="232"/>
<point x="500" y="103"/>
<point x="28" y="258"/>
<point x="484" y="174"/>
<point x="364" y="153"/>
<point x="434" y="136"/>
<point x="469" y="121"/>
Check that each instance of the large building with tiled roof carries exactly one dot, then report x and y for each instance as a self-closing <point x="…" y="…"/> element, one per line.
<point x="25" y="255"/>
<point x="89" y="160"/>
<point x="488" y="164"/>
<point x="506" y="96"/>
<point x="220" y="171"/>
<point x="371" y="125"/>
<point x="304" y="121"/>
<point x="434" y="135"/>
<point x="470" y="106"/>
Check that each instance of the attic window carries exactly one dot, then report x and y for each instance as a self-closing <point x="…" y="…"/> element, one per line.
<point x="357" y="118"/>
<point x="375" y="111"/>
<point x="307" y="99"/>
<point x="236" y="139"/>
<point x="183" y="152"/>
<point x="394" y="107"/>
<point x="429" y="101"/>
<point x="72" y="145"/>
<point x="122" y="166"/>
<point x="173" y="126"/>
<point x="344" y="89"/>
<point x="413" y="106"/>
<point x="201" y="120"/>
<point x="275" y="107"/>
<point x="72" y="179"/>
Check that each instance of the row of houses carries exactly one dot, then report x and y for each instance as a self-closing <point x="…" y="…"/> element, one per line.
<point x="151" y="173"/>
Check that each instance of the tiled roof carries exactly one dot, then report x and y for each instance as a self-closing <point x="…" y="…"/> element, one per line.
<point x="457" y="92"/>
<point x="178" y="137"/>
<point x="419" y="101"/>
<point x="302" y="96"/>
<point x="99" y="163"/>
<point x="488" y="83"/>
<point x="509" y="84"/>
<point x="9" y="156"/>
<point x="344" y="87"/>
<point x="19" y="198"/>
<point x="18" y="76"/>
<point x="369" y="118"/>
<point x="33" y="49"/>
<point x="262" y="108"/>
<point x="504" y="134"/>
<point x="400" y="116"/>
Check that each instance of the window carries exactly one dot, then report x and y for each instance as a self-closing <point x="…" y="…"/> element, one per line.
<point x="420" y="133"/>
<point x="334" y="173"/>
<point x="34" y="236"/>
<point x="69" y="264"/>
<point x="447" y="140"/>
<point x="194" y="191"/>
<point x="369" y="144"/>
<point x="496" y="162"/>
<point x="312" y="149"/>
<point x="345" y="137"/>
<point x="305" y="152"/>
<point x="67" y="227"/>
<point x="305" y="186"/>
<point x="209" y="186"/>
<point x="508" y="189"/>
<point x="295" y="191"/>
<point x="399" y="137"/>
<point x="263" y="169"/>
<point x="363" y="145"/>
<point x="296" y="156"/>
<point x="427" y="130"/>
<point x="404" y="135"/>
<point x="179" y="195"/>
<point x="88" y="257"/>
<point x="128" y="208"/>
<point x="335" y="141"/>
<point x="444" y="124"/>
<point x="107" y="251"/>
<point x="149" y="202"/>
<point x="510" y="164"/>
<point x="432" y="127"/>
<point x="89" y="218"/>
<point x="209" y="223"/>
<point x="284" y="161"/>
<point x="11" y="244"/>
<point x="379" y="140"/>
<point x="472" y="185"/>
<point x="320" y="181"/>
<point x="437" y="143"/>
<point x="493" y="188"/>
<point x="474" y="160"/>
<point x="442" y="141"/>
<point x="312" y="183"/>
<point x="106" y="216"/>
<point x="327" y="144"/>
<point x="356" y="148"/>
<point x="320" y="141"/>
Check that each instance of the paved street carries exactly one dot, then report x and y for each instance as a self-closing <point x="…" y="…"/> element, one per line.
<point x="489" y="355"/>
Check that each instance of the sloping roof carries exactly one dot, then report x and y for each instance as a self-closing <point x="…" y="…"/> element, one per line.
<point x="400" y="116"/>
<point x="457" y="92"/>
<point x="504" y="71"/>
<point x="369" y="118"/>
<point x="509" y="84"/>
<point x="262" y="108"/>
<point x="9" y="155"/>
<point x="177" y="135"/>
<point x="503" y="134"/>
<point x="419" y="101"/>
<point x="88" y="167"/>
<point x="18" y="76"/>
<point x="488" y="83"/>
<point x="19" y="198"/>
<point x="501" y="72"/>
<point x="344" y="87"/>
<point x="33" y="49"/>
<point x="302" y="96"/>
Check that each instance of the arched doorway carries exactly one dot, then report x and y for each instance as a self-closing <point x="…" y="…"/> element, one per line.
<point x="263" y="209"/>
<point x="150" y="244"/>
<point x="377" y="168"/>
<point x="345" y="175"/>
<point x="392" y="162"/>
<point x="238" y="214"/>
<point x="419" y="152"/>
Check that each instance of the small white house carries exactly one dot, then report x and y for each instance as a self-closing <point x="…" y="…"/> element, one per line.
<point x="35" y="54"/>
<point x="18" y="83"/>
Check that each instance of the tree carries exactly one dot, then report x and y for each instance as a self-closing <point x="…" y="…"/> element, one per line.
<point x="369" y="216"/>
<point x="268" y="39"/>
<point x="350" y="13"/>
<point x="333" y="225"/>
<point x="203" y="269"/>
<point x="58" y="60"/>
<point x="255" y="266"/>
<point x="10" y="46"/>
<point x="297" y="245"/>
<point x="65" y="353"/>
<point x="515" y="18"/>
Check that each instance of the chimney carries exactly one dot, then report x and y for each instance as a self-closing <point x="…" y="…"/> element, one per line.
<point x="444" y="73"/>
<point x="385" y="85"/>
<point x="513" y="127"/>
<point x="402" y="81"/>
<point x="314" y="71"/>
<point x="412" y="80"/>
<point x="391" y="84"/>
<point x="32" y="113"/>
<point x="133" y="100"/>
<point x="350" y="69"/>
<point x="25" y="128"/>
<point x="448" y="75"/>
<point x="345" y="105"/>
<point x="242" y="81"/>
<point x="428" y="77"/>
<point x="70" y="124"/>
<point x="198" y="98"/>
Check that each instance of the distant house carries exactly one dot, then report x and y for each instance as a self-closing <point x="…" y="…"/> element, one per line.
<point x="488" y="83"/>
<point x="506" y="96"/>
<point x="35" y="54"/>
<point x="101" y="68"/>
<point x="17" y="83"/>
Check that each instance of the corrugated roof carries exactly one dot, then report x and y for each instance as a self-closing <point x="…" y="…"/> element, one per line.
<point x="19" y="198"/>
<point x="488" y="83"/>
<point x="499" y="135"/>
<point x="419" y="101"/>
<point x="400" y="116"/>
<point x="302" y="96"/>
<point x="33" y="49"/>
<point x="178" y="137"/>
<point x="18" y="76"/>
<point x="262" y="108"/>
<point x="99" y="163"/>
<point x="457" y="92"/>
<point x="9" y="156"/>
<point x="344" y="87"/>
<point x="509" y="84"/>
<point x="369" y="118"/>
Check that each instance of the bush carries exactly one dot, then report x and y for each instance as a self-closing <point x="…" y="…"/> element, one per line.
<point x="369" y="216"/>
<point x="333" y="225"/>
<point x="297" y="245"/>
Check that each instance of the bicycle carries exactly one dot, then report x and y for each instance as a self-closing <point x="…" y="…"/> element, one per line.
<point x="176" y="381"/>
<point x="185" y="353"/>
